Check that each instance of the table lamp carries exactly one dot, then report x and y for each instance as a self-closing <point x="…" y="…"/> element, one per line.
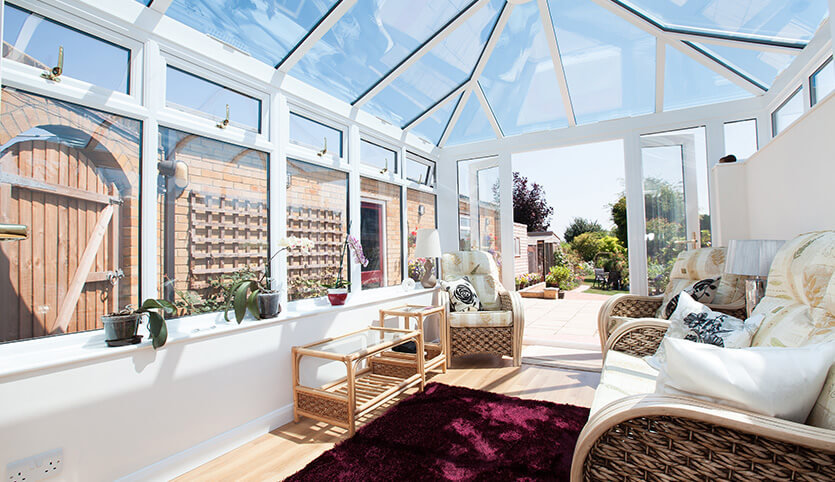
<point x="428" y="245"/>
<point x="752" y="258"/>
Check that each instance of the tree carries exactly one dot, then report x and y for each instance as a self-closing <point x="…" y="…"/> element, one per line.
<point x="620" y="220"/>
<point x="529" y="204"/>
<point x="579" y="226"/>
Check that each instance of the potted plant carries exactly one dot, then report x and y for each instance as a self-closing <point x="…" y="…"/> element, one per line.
<point x="121" y="328"/>
<point x="338" y="288"/>
<point x="255" y="293"/>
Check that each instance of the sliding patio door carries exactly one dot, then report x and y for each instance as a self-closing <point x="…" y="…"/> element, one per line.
<point x="675" y="194"/>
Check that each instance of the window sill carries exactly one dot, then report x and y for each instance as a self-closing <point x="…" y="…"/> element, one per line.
<point x="51" y="352"/>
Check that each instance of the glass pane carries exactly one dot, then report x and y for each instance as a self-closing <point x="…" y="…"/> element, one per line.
<point x="191" y="93"/>
<point x="823" y="81"/>
<point x="762" y="67"/>
<point x="380" y="233"/>
<point x="433" y="127"/>
<point x="786" y="19"/>
<point x="61" y="164"/>
<point x="609" y="63"/>
<point x="472" y="125"/>
<point x="309" y="133"/>
<point x="420" y="214"/>
<point x="479" y="207"/>
<point x="265" y="29"/>
<point x="421" y="171"/>
<point x="213" y="219"/>
<point x="741" y="138"/>
<point x="356" y="342"/>
<point x="787" y="113"/>
<point x="519" y="79"/>
<point x="688" y="83"/>
<point x="664" y="211"/>
<point x="317" y="209"/>
<point x="34" y="40"/>
<point x="370" y="40"/>
<point x="378" y="157"/>
<point x="439" y="72"/>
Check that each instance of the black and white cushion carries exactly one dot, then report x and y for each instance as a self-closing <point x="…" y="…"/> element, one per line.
<point x="462" y="295"/>
<point x="702" y="291"/>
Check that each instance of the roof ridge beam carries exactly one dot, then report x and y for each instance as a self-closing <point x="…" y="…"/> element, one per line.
<point x="313" y="35"/>
<point x="424" y="48"/>
<point x="488" y="111"/>
<point x="554" y="48"/>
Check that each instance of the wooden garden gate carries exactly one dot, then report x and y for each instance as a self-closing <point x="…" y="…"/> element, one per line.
<point x="66" y="274"/>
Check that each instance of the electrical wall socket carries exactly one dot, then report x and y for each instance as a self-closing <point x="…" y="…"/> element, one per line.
<point x="37" y="467"/>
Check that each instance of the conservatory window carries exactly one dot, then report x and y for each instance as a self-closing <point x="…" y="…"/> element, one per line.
<point x="741" y="138"/>
<point x="317" y="209"/>
<point x="420" y="170"/>
<point x="380" y="228"/>
<point x="213" y="218"/>
<point x="378" y="157"/>
<point x="190" y="93"/>
<point x="822" y="81"/>
<point x="788" y="112"/>
<point x="70" y="174"/>
<point x="420" y="214"/>
<point x="34" y="40"/>
<point x="316" y="135"/>
<point x="479" y="206"/>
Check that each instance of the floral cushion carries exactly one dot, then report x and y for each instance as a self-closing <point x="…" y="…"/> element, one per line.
<point x="462" y="295"/>
<point x="480" y="269"/>
<point x="702" y="291"/>
<point x="481" y="318"/>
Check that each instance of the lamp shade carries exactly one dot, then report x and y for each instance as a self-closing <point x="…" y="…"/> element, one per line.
<point x="751" y="257"/>
<point x="427" y="244"/>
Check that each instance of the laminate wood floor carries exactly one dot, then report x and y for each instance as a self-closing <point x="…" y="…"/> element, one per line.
<point x="284" y="451"/>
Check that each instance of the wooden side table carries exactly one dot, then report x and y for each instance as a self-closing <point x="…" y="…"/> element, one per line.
<point x="435" y="353"/>
<point x="364" y="388"/>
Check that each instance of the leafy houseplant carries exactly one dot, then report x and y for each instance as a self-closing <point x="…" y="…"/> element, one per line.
<point x="255" y="294"/>
<point x="121" y="328"/>
<point x="338" y="288"/>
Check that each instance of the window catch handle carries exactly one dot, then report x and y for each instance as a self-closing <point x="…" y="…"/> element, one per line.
<point x="55" y="74"/>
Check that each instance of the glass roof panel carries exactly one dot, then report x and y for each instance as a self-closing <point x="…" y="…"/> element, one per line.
<point x="785" y="19"/>
<point x="519" y="79"/>
<point x="688" y="83"/>
<point x="370" y="40"/>
<point x="448" y="65"/>
<point x="265" y="29"/>
<point x="472" y="125"/>
<point x="433" y="127"/>
<point x="609" y="63"/>
<point x="758" y="65"/>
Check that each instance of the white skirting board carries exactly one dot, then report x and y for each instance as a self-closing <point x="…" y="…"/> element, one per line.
<point x="189" y="459"/>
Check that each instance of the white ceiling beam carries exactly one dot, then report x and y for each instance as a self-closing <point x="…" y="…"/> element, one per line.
<point x="554" y="48"/>
<point x="660" y="62"/>
<point x="494" y="123"/>
<point x="456" y="114"/>
<point x="420" y="52"/>
<point x="313" y="36"/>
<point x="650" y="27"/>
<point x="160" y="6"/>
<point x="455" y="93"/>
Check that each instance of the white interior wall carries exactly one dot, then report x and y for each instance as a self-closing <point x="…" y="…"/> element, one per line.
<point x="785" y="189"/>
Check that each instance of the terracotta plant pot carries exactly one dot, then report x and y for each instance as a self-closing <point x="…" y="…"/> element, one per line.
<point x="337" y="296"/>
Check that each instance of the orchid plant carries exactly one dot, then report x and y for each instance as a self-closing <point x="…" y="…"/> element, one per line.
<point x="244" y="294"/>
<point x="355" y="246"/>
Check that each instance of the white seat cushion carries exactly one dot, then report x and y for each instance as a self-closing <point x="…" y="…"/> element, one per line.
<point x="481" y="318"/>
<point x="623" y="375"/>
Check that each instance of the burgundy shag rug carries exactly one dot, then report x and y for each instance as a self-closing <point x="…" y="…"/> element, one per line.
<point x="457" y="433"/>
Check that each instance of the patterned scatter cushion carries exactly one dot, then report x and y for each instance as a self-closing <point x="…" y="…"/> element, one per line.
<point x="696" y="322"/>
<point x="702" y="291"/>
<point x="462" y="295"/>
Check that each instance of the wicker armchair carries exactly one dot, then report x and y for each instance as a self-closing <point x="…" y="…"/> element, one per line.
<point x="498" y="329"/>
<point x="690" y="266"/>
<point x="635" y="434"/>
